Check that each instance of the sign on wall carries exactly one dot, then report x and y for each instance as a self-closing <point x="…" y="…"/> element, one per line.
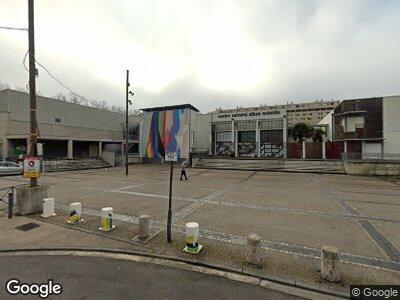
<point x="250" y="115"/>
<point x="32" y="167"/>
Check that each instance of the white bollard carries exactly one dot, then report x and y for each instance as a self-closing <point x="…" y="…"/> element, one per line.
<point x="192" y="238"/>
<point x="48" y="208"/>
<point x="75" y="213"/>
<point x="144" y="227"/>
<point x="107" y="219"/>
<point x="330" y="263"/>
<point x="253" y="249"/>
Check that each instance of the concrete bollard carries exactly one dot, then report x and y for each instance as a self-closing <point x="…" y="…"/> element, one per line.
<point x="107" y="219"/>
<point x="192" y="238"/>
<point x="144" y="227"/>
<point x="253" y="249"/>
<point x="48" y="208"/>
<point x="75" y="212"/>
<point x="330" y="263"/>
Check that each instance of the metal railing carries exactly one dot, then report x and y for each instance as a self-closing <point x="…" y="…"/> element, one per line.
<point x="7" y="197"/>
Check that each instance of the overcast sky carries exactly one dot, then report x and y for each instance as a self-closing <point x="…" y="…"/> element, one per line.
<point x="210" y="53"/>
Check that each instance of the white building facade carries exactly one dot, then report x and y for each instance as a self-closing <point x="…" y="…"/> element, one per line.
<point x="66" y="130"/>
<point x="251" y="132"/>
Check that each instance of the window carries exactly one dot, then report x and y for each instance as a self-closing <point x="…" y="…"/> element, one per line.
<point x="353" y="123"/>
<point x="245" y="125"/>
<point x="223" y="126"/>
<point x="57" y="120"/>
<point x="224" y="136"/>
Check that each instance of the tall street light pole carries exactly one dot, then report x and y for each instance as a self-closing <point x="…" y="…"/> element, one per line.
<point x="126" y="123"/>
<point x="32" y="88"/>
<point x="128" y="102"/>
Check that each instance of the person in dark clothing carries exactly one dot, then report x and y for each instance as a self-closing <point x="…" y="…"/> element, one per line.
<point x="183" y="170"/>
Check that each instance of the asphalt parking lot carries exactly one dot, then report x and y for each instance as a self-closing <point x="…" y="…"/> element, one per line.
<point x="293" y="213"/>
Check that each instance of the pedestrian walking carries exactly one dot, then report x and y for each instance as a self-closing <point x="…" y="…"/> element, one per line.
<point x="183" y="169"/>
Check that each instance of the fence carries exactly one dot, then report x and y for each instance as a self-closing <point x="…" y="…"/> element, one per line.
<point x="293" y="150"/>
<point x="7" y="198"/>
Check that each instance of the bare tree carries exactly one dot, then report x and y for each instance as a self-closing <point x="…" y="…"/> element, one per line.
<point x="117" y="108"/>
<point x="20" y="89"/>
<point x="61" y="97"/>
<point x="100" y="104"/>
<point x="4" y="86"/>
<point x="73" y="98"/>
<point x="134" y="112"/>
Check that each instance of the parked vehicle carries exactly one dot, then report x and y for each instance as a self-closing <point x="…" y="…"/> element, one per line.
<point x="10" y="168"/>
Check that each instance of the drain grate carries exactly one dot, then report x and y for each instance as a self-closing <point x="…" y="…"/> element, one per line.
<point x="27" y="226"/>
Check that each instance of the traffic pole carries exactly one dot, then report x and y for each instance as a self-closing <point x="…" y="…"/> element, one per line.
<point x="169" y="222"/>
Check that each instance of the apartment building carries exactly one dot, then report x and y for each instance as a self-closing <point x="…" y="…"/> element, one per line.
<point x="310" y="113"/>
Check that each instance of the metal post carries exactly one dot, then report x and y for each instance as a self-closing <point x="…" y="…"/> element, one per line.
<point x="32" y="87"/>
<point x="169" y="223"/>
<point x="126" y="123"/>
<point x="10" y="203"/>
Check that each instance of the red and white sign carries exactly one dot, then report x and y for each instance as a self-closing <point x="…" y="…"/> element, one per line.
<point x="32" y="167"/>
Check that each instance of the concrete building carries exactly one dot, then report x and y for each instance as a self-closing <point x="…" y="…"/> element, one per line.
<point x="168" y="129"/>
<point x="310" y="113"/>
<point x="66" y="130"/>
<point x="368" y="127"/>
<point x="248" y="132"/>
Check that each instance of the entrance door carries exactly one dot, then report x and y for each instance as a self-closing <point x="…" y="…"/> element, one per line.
<point x="247" y="143"/>
<point x="271" y="143"/>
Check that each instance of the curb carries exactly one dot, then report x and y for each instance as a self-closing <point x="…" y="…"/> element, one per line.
<point x="274" y="170"/>
<point x="290" y="287"/>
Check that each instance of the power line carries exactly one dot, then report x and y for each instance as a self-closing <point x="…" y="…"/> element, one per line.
<point x="23" y="61"/>
<point x="64" y="85"/>
<point x="14" y="28"/>
<point x="94" y="103"/>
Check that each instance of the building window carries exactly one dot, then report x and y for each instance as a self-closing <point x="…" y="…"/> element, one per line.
<point x="353" y="123"/>
<point x="223" y="126"/>
<point x="57" y="120"/>
<point x="245" y="125"/>
<point x="224" y="136"/>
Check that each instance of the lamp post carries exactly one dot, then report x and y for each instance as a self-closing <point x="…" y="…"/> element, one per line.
<point x="128" y="102"/>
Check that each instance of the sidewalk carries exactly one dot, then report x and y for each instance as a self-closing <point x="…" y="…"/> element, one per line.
<point x="54" y="233"/>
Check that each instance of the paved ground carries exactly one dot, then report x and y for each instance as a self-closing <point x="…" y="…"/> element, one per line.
<point x="295" y="214"/>
<point x="104" y="278"/>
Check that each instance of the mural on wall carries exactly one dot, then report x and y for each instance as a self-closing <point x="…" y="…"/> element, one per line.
<point x="165" y="131"/>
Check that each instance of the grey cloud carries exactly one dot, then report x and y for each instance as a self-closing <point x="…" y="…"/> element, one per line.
<point x="319" y="49"/>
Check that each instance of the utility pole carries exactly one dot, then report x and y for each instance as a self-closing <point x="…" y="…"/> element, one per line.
<point x="32" y="88"/>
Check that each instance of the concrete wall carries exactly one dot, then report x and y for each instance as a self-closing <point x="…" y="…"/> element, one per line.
<point x="4" y="122"/>
<point x="372" y="148"/>
<point x="48" y="109"/>
<point x="391" y="124"/>
<point x="201" y="135"/>
<point x="378" y="167"/>
<point x="109" y="156"/>
<point x="327" y="120"/>
<point x="76" y="121"/>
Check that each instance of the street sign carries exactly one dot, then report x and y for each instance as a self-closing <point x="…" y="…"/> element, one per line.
<point x="32" y="167"/>
<point x="171" y="156"/>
